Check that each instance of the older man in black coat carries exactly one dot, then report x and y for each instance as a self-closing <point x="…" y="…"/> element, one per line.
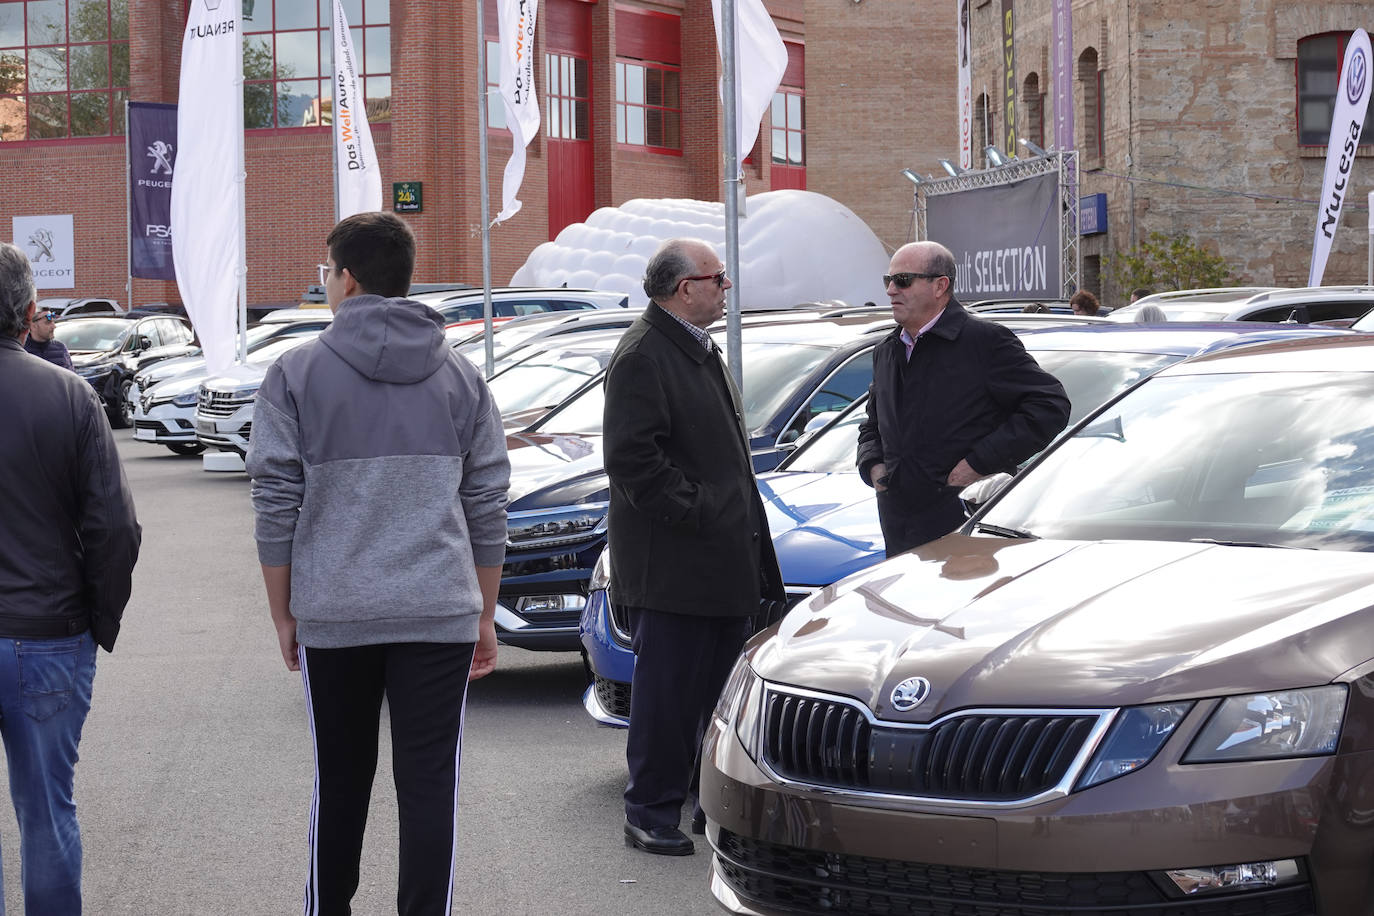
<point x="692" y="554"/>
<point x="954" y="399"/>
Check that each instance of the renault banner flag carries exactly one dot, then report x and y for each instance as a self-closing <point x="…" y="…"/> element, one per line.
<point x="517" y="19"/>
<point x="1062" y="66"/>
<point x="1005" y="239"/>
<point x="357" y="178"/>
<point x="152" y="152"/>
<point x="759" y="65"/>
<point x="207" y="214"/>
<point x="1352" y="100"/>
<point x="965" y="101"/>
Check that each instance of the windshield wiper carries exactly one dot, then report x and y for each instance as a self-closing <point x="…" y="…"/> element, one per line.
<point x="1223" y="543"/>
<point x="1004" y="532"/>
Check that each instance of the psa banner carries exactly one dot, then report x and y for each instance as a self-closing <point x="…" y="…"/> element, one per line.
<point x="1005" y="239"/>
<point x="152" y="155"/>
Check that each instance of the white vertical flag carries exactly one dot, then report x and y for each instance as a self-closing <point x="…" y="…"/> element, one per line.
<point x="1352" y="100"/>
<point x="759" y="67"/>
<point x="517" y="91"/>
<point x="357" y="179"/>
<point x="207" y="212"/>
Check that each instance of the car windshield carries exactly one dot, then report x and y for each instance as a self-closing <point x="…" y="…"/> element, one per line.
<point x="1278" y="458"/>
<point x="772" y="372"/>
<point x="1091" y="378"/>
<point x="832" y="450"/>
<point x="92" y="334"/>
<point x="267" y="354"/>
<point x="546" y="379"/>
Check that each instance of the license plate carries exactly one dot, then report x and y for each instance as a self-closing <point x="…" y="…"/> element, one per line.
<point x="205" y="427"/>
<point x="148" y="434"/>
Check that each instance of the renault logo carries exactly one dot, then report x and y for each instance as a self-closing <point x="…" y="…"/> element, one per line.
<point x="910" y="693"/>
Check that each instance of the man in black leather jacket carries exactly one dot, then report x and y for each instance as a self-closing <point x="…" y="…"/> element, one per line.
<point x="68" y="543"/>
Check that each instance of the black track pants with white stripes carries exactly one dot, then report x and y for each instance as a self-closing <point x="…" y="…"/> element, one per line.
<point x="425" y="685"/>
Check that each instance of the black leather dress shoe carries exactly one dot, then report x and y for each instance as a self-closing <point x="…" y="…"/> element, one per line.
<point x="661" y="841"/>
<point x="699" y="823"/>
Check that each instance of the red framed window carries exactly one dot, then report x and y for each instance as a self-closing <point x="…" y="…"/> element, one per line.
<point x="64" y="68"/>
<point x="1318" y="71"/>
<point x="567" y="97"/>
<point x="648" y="105"/>
<point x="788" y="117"/>
<point x="288" y="60"/>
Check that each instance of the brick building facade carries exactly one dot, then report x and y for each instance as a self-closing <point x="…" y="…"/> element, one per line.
<point x="1188" y="120"/>
<point x="430" y="135"/>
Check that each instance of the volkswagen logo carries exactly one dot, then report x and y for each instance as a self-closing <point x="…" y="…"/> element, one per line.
<point x="1359" y="72"/>
<point x="910" y="693"/>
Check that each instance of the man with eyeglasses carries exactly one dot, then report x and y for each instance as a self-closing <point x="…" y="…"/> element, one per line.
<point x="42" y="343"/>
<point x="380" y="474"/>
<point x="69" y="539"/>
<point x="689" y="544"/>
<point x="954" y="399"/>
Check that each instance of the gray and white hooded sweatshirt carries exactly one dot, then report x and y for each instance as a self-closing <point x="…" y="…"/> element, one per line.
<point x="379" y="475"/>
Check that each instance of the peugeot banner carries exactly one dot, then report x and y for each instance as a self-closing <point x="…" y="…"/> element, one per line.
<point x="1005" y="239"/>
<point x="152" y="154"/>
<point x="1352" y="100"/>
<point x="207" y="207"/>
<point x="357" y="177"/>
<point x="516" y="21"/>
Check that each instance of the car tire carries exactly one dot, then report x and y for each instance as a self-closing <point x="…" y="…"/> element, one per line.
<point x="121" y="412"/>
<point x="185" y="448"/>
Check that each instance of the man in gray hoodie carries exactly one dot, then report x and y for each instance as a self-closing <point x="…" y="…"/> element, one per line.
<point x="379" y="482"/>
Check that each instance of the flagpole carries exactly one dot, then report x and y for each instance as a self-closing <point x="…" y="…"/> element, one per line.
<point x="733" y="183"/>
<point x="243" y="201"/>
<point x="128" y="212"/>
<point x="334" y="106"/>
<point x="482" y="180"/>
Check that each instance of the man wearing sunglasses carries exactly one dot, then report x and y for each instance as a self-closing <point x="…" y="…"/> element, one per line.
<point x="691" y="554"/>
<point x="42" y="343"/>
<point x="954" y="398"/>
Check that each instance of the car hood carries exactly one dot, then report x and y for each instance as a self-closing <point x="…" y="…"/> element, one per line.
<point x="548" y="470"/>
<point x="992" y="622"/>
<point x="824" y="525"/>
<point x="83" y="358"/>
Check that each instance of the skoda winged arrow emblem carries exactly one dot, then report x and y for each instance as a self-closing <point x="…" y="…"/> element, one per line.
<point x="910" y="693"/>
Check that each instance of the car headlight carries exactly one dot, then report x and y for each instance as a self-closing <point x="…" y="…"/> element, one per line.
<point x="601" y="572"/>
<point x="95" y="371"/>
<point x="740" y="702"/>
<point x="185" y="400"/>
<point x="1135" y="737"/>
<point x="553" y="527"/>
<point x="1266" y="726"/>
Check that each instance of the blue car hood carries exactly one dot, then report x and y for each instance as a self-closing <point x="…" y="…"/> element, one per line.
<point x="824" y="525"/>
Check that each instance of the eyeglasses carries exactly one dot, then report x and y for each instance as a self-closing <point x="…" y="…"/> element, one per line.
<point x="902" y="281"/>
<point x="325" y="270"/>
<point x="719" y="277"/>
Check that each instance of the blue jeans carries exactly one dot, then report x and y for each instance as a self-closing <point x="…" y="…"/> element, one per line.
<point x="45" y="693"/>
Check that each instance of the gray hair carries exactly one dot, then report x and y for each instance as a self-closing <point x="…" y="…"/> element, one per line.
<point x="1151" y="314"/>
<point x="666" y="269"/>
<point x="16" y="289"/>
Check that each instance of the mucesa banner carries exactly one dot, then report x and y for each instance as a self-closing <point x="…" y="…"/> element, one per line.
<point x="1005" y="239"/>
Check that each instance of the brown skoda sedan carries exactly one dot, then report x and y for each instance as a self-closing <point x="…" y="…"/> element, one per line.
<point x="1137" y="683"/>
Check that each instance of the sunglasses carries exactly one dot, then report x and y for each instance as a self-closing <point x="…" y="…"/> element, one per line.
<point x="902" y="281"/>
<point x="44" y="316"/>
<point x="719" y="277"/>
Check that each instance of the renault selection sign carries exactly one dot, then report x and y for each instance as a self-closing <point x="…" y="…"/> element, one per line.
<point x="1005" y="239"/>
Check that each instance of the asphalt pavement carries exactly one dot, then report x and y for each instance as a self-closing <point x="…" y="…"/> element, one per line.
<point x="195" y="778"/>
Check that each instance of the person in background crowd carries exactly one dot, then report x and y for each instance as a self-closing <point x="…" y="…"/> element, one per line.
<point x="1140" y="292"/>
<point x="954" y="399"/>
<point x="69" y="539"/>
<point x="1084" y="303"/>
<point x="692" y="555"/>
<point x="42" y="343"/>
<point x="1150" y="314"/>
<point x="379" y="482"/>
<point x="1037" y="308"/>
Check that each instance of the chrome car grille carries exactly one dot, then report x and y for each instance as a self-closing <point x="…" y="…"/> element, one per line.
<point x="809" y="881"/>
<point x="221" y="403"/>
<point x="974" y="757"/>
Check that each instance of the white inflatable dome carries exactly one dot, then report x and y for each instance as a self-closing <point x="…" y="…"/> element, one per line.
<point x="794" y="247"/>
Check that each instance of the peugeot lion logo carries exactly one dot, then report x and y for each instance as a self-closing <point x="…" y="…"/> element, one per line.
<point x="160" y="152"/>
<point x="910" y="693"/>
<point x="1359" y="71"/>
<point x="42" y="243"/>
